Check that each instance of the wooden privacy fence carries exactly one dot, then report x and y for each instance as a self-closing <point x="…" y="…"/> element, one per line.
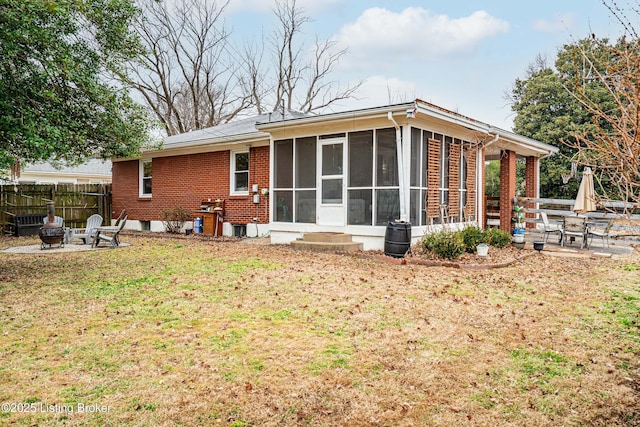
<point x="73" y="202"/>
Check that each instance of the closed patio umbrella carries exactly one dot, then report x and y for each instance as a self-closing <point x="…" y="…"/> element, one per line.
<point x="586" y="198"/>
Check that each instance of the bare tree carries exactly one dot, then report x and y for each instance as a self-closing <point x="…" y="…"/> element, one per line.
<point x="186" y="76"/>
<point x="253" y="79"/>
<point x="301" y="79"/>
<point x="192" y="77"/>
<point x="611" y="144"/>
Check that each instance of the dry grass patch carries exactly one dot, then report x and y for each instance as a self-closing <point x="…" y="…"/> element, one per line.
<point x="185" y="332"/>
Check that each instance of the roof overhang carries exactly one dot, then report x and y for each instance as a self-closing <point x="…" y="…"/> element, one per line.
<point x="492" y="138"/>
<point x="204" y="145"/>
<point x="253" y="132"/>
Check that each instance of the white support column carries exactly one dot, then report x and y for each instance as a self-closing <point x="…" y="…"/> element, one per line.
<point x="272" y="180"/>
<point x="480" y="172"/>
<point x="406" y="152"/>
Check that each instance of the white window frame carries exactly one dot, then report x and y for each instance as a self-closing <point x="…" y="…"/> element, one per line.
<point x="141" y="179"/>
<point x="445" y="181"/>
<point x="232" y="168"/>
<point x="321" y="178"/>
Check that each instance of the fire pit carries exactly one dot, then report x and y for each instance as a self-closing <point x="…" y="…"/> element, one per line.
<point x="51" y="233"/>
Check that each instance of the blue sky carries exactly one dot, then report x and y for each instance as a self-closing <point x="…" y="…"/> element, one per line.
<point x="460" y="54"/>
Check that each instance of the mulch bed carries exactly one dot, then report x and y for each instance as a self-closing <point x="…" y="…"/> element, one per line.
<point x="496" y="258"/>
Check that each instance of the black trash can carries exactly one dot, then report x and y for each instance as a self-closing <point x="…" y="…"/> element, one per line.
<point x="397" y="239"/>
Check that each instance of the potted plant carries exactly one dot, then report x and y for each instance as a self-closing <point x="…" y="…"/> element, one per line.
<point x="518" y="218"/>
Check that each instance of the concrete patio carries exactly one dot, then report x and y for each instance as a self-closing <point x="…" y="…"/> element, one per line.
<point x="617" y="246"/>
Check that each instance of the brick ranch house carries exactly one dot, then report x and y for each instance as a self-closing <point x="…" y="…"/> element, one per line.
<point x="347" y="172"/>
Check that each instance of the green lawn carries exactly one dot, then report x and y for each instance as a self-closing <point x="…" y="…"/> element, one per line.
<point x="187" y="332"/>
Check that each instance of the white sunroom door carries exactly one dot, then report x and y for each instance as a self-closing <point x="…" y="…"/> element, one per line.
<point x="331" y="197"/>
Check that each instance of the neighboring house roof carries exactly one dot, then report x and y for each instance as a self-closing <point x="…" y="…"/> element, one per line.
<point x="91" y="170"/>
<point x="91" y="167"/>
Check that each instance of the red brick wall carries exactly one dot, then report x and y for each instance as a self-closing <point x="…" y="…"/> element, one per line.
<point x="531" y="172"/>
<point x="507" y="188"/>
<point x="187" y="180"/>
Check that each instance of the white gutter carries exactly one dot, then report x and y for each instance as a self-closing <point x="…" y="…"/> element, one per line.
<point x="495" y="139"/>
<point x="399" y="155"/>
<point x="532" y="144"/>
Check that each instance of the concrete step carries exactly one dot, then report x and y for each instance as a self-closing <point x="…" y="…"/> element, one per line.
<point x="326" y="246"/>
<point x="326" y="237"/>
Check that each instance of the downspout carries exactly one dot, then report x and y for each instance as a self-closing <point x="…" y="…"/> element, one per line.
<point x="403" y="208"/>
<point x="495" y="139"/>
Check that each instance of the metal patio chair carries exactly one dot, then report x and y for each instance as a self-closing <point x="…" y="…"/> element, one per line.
<point x="601" y="233"/>
<point x="550" y="228"/>
<point x="574" y="226"/>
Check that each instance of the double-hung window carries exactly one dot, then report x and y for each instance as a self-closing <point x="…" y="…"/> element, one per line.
<point x="240" y="172"/>
<point x="145" y="178"/>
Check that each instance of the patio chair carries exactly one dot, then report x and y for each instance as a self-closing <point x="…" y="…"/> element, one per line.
<point x="120" y="217"/>
<point x="574" y="226"/>
<point x="109" y="234"/>
<point x="89" y="232"/>
<point x="550" y="228"/>
<point x="58" y="220"/>
<point x="602" y="233"/>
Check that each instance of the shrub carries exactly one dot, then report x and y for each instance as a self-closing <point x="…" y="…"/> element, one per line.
<point x="174" y="218"/>
<point x="496" y="237"/>
<point x="472" y="236"/>
<point x="445" y="244"/>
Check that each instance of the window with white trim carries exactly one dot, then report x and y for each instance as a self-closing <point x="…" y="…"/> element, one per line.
<point x="145" y="178"/>
<point x="239" y="172"/>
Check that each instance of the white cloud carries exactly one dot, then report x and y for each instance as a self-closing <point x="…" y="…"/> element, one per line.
<point x="560" y="22"/>
<point x="381" y="35"/>
<point x="266" y="6"/>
